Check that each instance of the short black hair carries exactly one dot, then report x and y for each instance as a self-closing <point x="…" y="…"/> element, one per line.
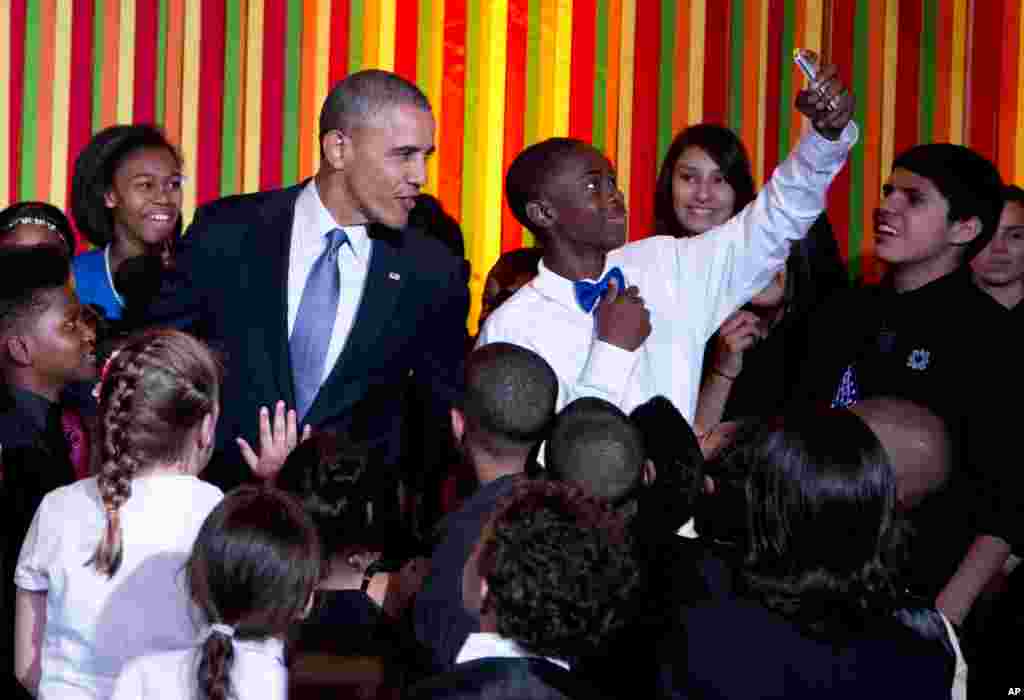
<point x="26" y="274"/>
<point x="1012" y="193"/>
<point x="94" y="175"/>
<point x="530" y="173"/>
<point x="594" y="444"/>
<point x="510" y="398"/>
<point x="966" y="179"/>
<point x="559" y="568"/>
<point x="361" y="95"/>
<point x="40" y="214"/>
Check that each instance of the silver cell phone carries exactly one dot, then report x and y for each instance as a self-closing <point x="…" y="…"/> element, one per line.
<point x="806" y="63"/>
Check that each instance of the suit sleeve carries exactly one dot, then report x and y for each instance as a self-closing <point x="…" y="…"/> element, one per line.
<point x="439" y="366"/>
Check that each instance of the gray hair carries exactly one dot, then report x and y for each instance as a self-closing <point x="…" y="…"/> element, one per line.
<point x="362" y="95"/>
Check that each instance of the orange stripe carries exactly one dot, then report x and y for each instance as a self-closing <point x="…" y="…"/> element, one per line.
<point x="111" y="57"/>
<point x="799" y="37"/>
<point x="307" y="88"/>
<point x="681" y="62"/>
<point x="175" y="51"/>
<point x="943" y="68"/>
<point x="751" y="86"/>
<point x="612" y="103"/>
<point x="872" y="172"/>
<point x="44" y="98"/>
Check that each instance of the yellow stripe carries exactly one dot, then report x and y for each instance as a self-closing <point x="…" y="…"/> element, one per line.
<point x="486" y="238"/>
<point x="125" y="63"/>
<point x="762" y="80"/>
<point x="5" y="107"/>
<point x="626" y="57"/>
<point x="815" y="14"/>
<point x="386" y="28"/>
<point x="251" y="97"/>
<point x="322" y="73"/>
<point x="546" y="70"/>
<point x="958" y="77"/>
<point x="695" y="71"/>
<point x="433" y="87"/>
<point x="61" y="104"/>
<point x="887" y="154"/>
<point x="563" y="68"/>
<point x="190" y="102"/>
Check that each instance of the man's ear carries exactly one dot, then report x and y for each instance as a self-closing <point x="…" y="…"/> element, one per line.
<point x="648" y="472"/>
<point x="458" y="424"/>
<point x="963" y="232"/>
<point x="336" y="147"/>
<point x="20" y="349"/>
<point x="540" y="213"/>
<point x="207" y="429"/>
<point x="110" y="199"/>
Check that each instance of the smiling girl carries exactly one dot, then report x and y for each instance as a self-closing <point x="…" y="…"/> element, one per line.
<point x="126" y="200"/>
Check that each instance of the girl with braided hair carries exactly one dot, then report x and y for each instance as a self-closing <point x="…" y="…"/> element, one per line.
<point x="252" y="573"/>
<point x="99" y="575"/>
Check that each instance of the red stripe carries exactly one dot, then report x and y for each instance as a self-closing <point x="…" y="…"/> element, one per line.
<point x="581" y="80"/>
<point x="843" y="26"/>
<point x="211" y="103"/>
<point x="716" y="62"/>
<point x="17" y="89"/>
<point x="515" y="112"/>
<point x="80" y="90"/>
<point x="773" y="86"/>
<point x="644" y="163"/>
<point x="984" y="79"/>
<point x="908" y="78"/>
<point x="339" y="41"/>
<point x="275" y="23"/>
<point x="406" y="38"/>
<point x="453" y="98"/>
<point x="147" y="24"/>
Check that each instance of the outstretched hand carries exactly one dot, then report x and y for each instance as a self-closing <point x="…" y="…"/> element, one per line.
<point x="276" y="442"/>
<point x="827" y="102"/>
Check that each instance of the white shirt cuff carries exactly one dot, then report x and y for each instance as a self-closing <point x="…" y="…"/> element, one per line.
<point x="825" y="154"/>
<point x="608" y="370"/>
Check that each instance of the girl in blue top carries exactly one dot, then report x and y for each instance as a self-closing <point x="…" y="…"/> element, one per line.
<point x="126" y="200"/>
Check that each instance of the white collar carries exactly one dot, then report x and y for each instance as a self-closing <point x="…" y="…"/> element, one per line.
<point x="110" y="276"/>
<point x="317" y="222"/>
<point x="483" y="645"/>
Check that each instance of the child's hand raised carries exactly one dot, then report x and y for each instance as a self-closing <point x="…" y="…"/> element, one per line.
<point x="622" y="318"/>
<point x="277" y="441"/>
<point x="827" y="103"/>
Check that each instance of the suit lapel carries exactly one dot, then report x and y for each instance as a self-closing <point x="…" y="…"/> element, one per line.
<point x="271" y="253"/>
<point x="384" y="280"/>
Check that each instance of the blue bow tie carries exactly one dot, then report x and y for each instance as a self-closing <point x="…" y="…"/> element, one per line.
<point x="587" y="293"/>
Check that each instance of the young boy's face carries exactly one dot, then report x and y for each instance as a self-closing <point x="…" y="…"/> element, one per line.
<point x="912" y="225"/>
<point x="62" y="339"/>
<point x="589" y="207"/>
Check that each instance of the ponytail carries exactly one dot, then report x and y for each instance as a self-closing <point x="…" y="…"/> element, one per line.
<point x="216" y="657"/>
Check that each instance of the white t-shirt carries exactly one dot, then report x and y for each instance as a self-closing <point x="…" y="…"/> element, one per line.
<point x="258" y="671"/>
<point x="94" y="625"/>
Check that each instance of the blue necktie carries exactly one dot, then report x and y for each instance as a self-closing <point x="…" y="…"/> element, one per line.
<point x="314" y="322"/>
<point x="587" y="293"/>
<point x="848" y="393"/>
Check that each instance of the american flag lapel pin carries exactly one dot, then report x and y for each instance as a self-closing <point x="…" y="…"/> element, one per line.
<point x="394" y="276"/>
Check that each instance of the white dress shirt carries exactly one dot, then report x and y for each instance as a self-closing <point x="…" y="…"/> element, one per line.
<point x="312" y="223"/>
<point x="257" y="671"/>
<point x="487" y="645"/>
<point x="690" y="286"/>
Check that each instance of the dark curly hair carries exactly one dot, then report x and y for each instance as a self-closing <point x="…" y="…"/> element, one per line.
<point x="823" y="538"/>
<point x="40" y="213"/>
<point x="254" y="566"/>
<point x="155" y="389"/>
<point x="723" y="146"/>
<point x="559" y="568"/>
<point x="94" y="175"/>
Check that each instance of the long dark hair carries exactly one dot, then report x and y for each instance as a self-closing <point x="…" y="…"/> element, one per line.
<point x="730" y="155"/>
<point x="254" y="566"/>
<point x="823" y="540"/>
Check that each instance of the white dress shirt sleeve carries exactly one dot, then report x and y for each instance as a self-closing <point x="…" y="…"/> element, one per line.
<point x="724" y="268"/>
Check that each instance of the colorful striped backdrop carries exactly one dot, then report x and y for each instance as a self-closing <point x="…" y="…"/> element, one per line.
<point x="238" y="85"/>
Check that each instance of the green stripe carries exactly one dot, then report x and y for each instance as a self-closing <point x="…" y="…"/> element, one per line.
<point x="666" y="76"/>
<point x="786" y="75"/>
<point x="600" y="136"/>
<point x="736" y="72"/>
<point x="470" y="154"/>
<point x="230" y="158"/>
<point x="355" y="36"/>
<point x="531" y="120"/>
<point x="29" y="132"/>
<point x="292" y="78"/>
<point x="926" y="108"/>
<point x="99" y="22"/>
<point x="855" y="228"/>
<point x="161" y="61"/>
<point x="424" y="60"/>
